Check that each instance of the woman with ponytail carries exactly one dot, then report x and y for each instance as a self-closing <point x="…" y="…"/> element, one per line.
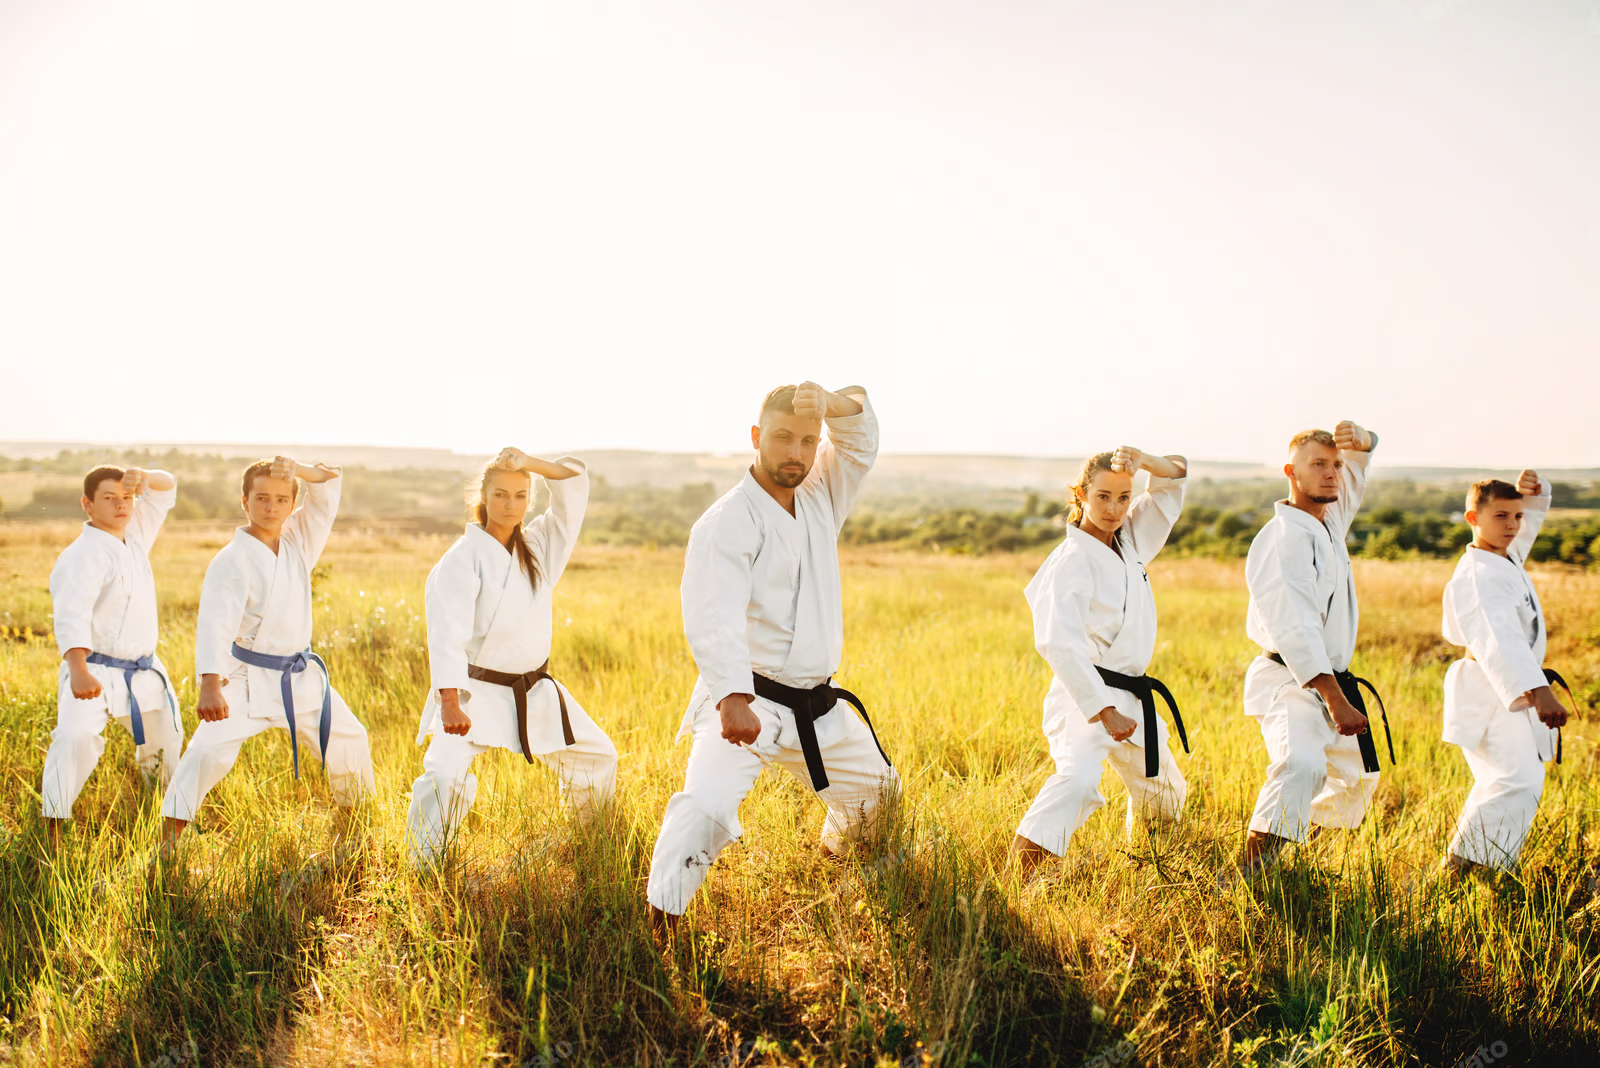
<point x="490" y="622"/>
<point x="1094" y="622"/>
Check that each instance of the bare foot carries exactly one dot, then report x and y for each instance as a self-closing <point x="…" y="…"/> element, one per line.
<point x="663" y="925"/>
<point x="1260" y="854"/>
<point x="1026" y="855"/>
<point x="52" y="829"/>
<point x="1460" y="869"/>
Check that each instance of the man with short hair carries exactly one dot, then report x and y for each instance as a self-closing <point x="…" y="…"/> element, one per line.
<point x="764" y="616"/>
<point x="253" y="637"/>
<point x="103" y="593"/>
<point x="1498" y="704"/>
<point x="1303" y="615"/>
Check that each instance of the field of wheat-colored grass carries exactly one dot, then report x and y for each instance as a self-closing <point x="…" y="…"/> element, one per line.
<point x="266" y="945"/>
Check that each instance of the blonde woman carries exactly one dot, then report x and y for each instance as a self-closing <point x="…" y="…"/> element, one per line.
<point x="1094" y="622"/>
<point x="490" y="623"/>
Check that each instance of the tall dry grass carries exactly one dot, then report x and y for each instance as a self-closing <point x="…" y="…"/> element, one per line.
<point x="271" y="945"/>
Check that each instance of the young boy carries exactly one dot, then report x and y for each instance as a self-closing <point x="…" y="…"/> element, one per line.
<point x="104" y="596"/>
<point x="1498" y="706"/>
<point x="253" y="638"/>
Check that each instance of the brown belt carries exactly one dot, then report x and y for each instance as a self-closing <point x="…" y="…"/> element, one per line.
<point x="520" y="685"/>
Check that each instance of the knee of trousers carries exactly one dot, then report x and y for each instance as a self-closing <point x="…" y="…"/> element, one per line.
<point x="693" y="807"/>
<point x="1308" y="769"/>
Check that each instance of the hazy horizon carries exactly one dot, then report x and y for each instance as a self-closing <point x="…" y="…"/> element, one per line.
<point x="1029" y="228"/>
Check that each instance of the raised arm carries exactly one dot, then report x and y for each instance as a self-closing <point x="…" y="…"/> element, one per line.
<point x="1536" y="495"/>
<point x="553" y="533"/>
<point x="1155" y="511"/>
<point x="157" y="492"/>
<point x="1355" y="450"/>
<point x="312" y="522"/>
<point x="844" y="459"/>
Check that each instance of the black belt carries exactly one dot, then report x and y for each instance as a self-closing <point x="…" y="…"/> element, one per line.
<point x="1350" y="684"/>
<point x="1553" y="677"/>
<point x="520" y="685"/>
<point x="1145" y="688"/>
<point x="809" y="706"/>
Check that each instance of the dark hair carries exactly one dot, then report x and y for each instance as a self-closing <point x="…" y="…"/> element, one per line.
<point x="1100" y="461"/>
<point x="103" y="473"/>
<point x="1491" y="489"/>
<point x="778" y="400"/>
<point x="480" y="512"/>
<point x="264" y="468"/>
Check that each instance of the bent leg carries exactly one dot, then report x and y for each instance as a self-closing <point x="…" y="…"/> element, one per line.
<point x="1297" y="735"/>
<point x="1159" y="799"/>
<point x="350" y="776"/>
<point x="587" y="769"/>
<point x="163" y="731"/>
<point x="702" y="818"/>
<point x="211" y="754"/>
<point x="441" y="796"/>
<point x="1508" y="780"/>
<point x="1070" y="796"/>
<point x="75" y="748"/>
<point x="1347" y="791"/>
<point x="860" y="781"/>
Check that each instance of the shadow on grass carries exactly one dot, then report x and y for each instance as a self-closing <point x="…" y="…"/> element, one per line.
<point x="227" y="954"/>
<point x="1403" y="973"/>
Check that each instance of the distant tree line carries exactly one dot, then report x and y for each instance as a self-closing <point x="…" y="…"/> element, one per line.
<point x="1399" y="519"/>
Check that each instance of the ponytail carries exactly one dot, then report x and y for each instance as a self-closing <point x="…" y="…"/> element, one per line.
<point x="1100" y="461"/>
<point x="519" y="544"/>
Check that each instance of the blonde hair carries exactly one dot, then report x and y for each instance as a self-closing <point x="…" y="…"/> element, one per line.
<point x="1100" y="461"/>
<point x="1321" y="437"/>
<point x="480" y="512"/>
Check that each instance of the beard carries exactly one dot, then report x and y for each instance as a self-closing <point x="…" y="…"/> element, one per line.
<point x="788" y="476"/>
<point x="1326" y="500"/>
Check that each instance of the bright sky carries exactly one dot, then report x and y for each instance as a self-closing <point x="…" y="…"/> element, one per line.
<point x="1026" y="226"/>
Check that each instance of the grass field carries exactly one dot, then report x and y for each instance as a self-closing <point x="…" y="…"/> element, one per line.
<point x="268" y="946"/>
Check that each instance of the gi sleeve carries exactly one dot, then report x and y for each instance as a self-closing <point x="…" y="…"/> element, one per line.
<point x="149" y="512"/>
<point x="1059" y="599"/>
<point x="1352" y="486"/>
<point x="224" y="593"/>
<point x="312" y="522"/>
<point x="1486" y="611"/>
<point x="1152" y="516"/>
<point x="451" y="601"/>
<point x="1533" y="517"/>
<point x="844" y="459"/>
<point x="716" y="597"/>
<point x="1283" y="585"/>
<point x="553" y="534"/>
<point x="75" y="585"/>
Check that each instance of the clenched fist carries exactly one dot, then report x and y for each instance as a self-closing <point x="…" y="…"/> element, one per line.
<point x="1349" y="436"/>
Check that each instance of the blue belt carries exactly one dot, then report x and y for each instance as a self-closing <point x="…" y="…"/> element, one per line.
<point x="128" y="669"/>
<point x="293" y="665"/>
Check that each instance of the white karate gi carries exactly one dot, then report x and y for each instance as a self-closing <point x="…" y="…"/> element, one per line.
<point x="103" y="594"/>
<point x="1094" y="607"/>
<point x="482" y="611"/>
<point x="262" y="601"/>
<point x="1492" y="609"/>
<point x="1303" y="607"/>
<point x="761" y="595"/>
